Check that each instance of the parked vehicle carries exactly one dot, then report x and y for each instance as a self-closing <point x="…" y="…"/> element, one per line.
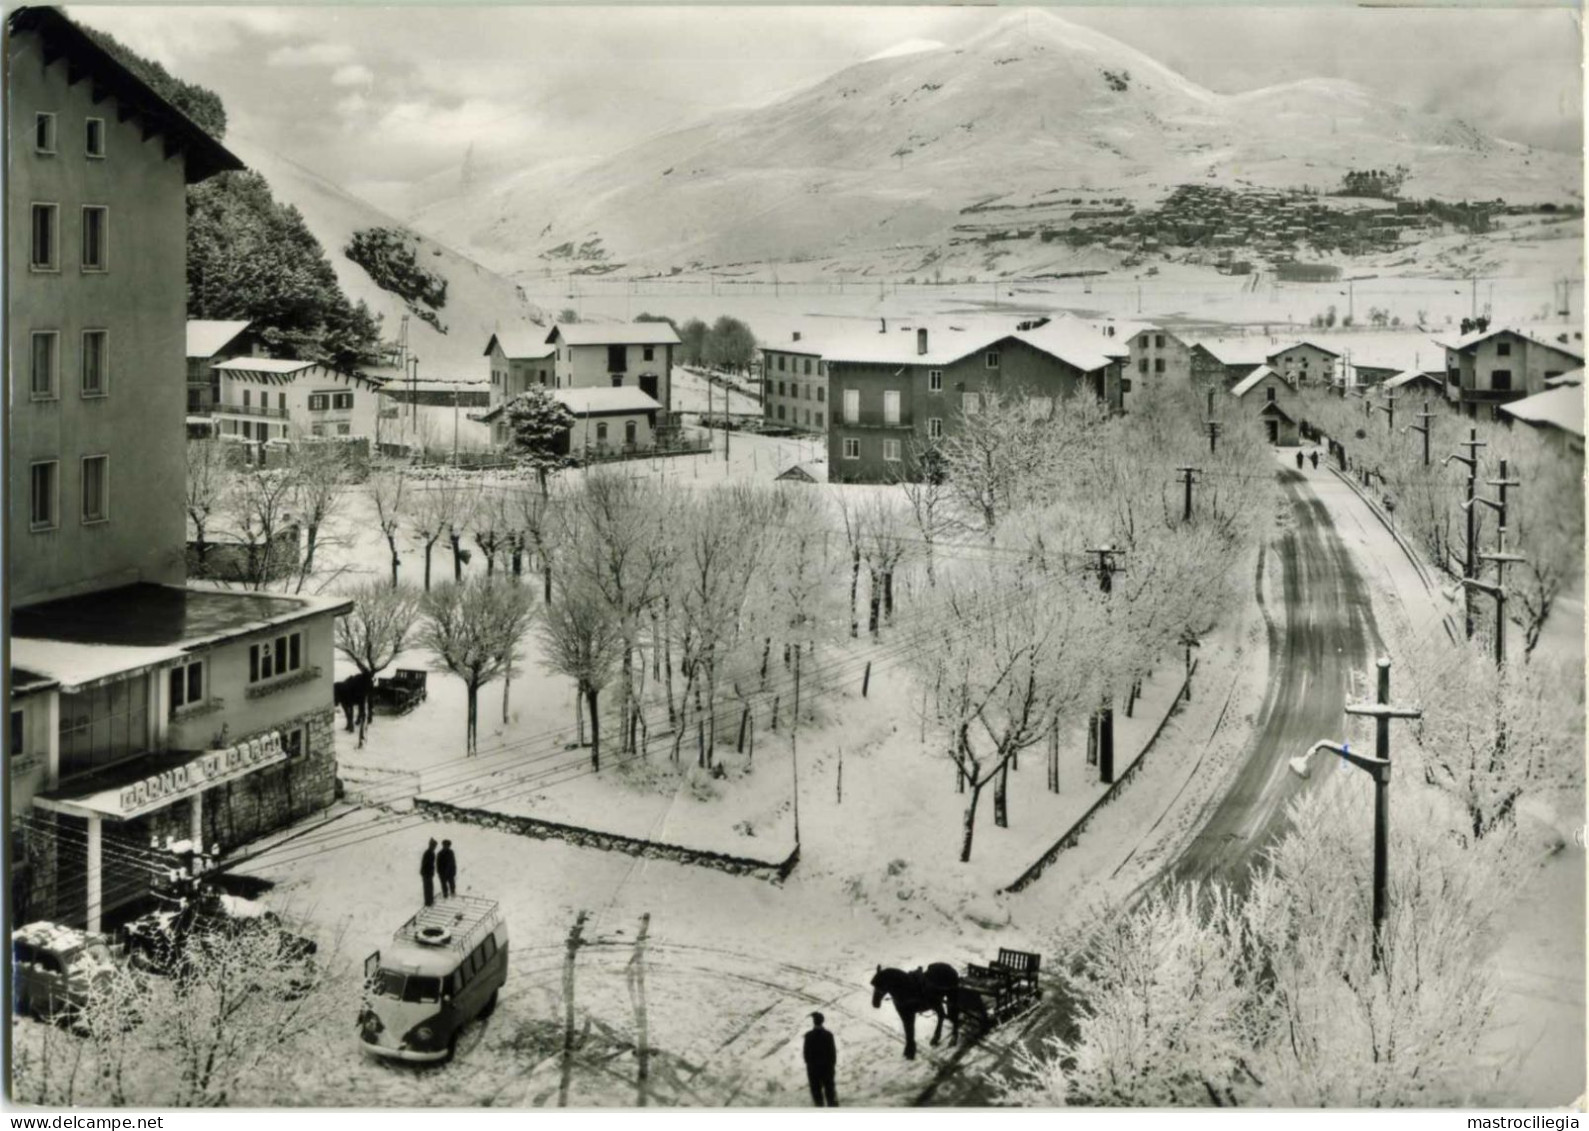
<point x="157" y="942"/>
<point x="1007" y="986"/>
<point x="444" y="968"/>
<point x="54" y="969"/>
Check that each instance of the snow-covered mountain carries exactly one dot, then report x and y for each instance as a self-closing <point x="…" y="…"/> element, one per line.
<point x="479" y="301"/>
<point x="886" y="153"/>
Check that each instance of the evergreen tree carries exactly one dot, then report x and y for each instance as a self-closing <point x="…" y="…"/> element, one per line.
<point x="540" y="424"/>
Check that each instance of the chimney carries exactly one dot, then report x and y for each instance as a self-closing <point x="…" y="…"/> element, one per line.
<point x="921" y="340"/>
<point x="884" y="328"/>
<point x="797" y="335"/>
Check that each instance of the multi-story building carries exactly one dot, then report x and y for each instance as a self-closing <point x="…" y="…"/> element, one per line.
<point x="897" y="393"/>
<point x="209" y="342"/>
<point x="519" y="359"/>
<point x="141" y="707"/>
<point x="1158" y="354"/>
<point x="596" y="355"/>
<point x="794" y="385"/>
<point x="1273" y="399"/>
<point x="1495" y="366"/>
<point x="1305" y="364"/>
<point x="270" y="398"/>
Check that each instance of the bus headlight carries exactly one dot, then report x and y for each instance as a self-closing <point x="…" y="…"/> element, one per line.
<point x="421" y="1036"/>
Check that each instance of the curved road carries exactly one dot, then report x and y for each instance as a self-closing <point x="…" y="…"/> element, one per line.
<point x="1325" y="631"/>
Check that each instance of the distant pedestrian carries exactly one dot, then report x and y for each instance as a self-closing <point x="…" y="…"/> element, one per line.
<point x="1299" y="461"/>
<point x="821" y="1061"/>
<point x="447" y="869"/>
<point x="427" y="872"/>
<point x="1314" y="456"/>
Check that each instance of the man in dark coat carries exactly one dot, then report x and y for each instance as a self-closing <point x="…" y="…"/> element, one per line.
<point x="821" y="1060"/>
<point x="1314" y="457"/>
<point x="427" y="872"/>
<point x="1299" y="461"/>
<point x="447" y="869"/>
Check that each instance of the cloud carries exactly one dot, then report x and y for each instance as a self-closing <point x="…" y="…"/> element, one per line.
<point x="352" y="74"/>
<point x="310" y="55"/>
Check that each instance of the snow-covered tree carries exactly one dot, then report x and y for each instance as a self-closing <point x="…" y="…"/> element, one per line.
<point x="210" y="477"/>
<point x="319" y="473"/>
<point x="433" y="511"/>
<point x="539" y="424"/>
<point x="583" y="642"/>
<point x="378" y="628"/>
<point x="258" y="516"/>
<point x="472" y="629"/>
<point x="388" y="490"/>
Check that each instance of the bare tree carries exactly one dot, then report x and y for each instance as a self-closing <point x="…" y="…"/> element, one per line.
<point x="210" y="478"/>
<point x="583" y="641"/>
<point x="319" y="474"/>
<point x="884" y="547"/>
<point x="378" y="628"/>
<point x="431" y="514"/>
<point x="931" y="503"/>
<point x="387" y="490"/>
<point x="472" y="628"/>
<point x="258" y="518"/>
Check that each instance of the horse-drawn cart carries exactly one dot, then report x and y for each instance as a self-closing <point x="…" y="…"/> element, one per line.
<point x="400" y="693"/>
<point x="1007" y="986"/>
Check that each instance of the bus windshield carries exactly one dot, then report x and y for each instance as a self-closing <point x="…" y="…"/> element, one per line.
<point x="407" y="987"/>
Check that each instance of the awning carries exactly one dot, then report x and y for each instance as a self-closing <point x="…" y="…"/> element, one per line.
<point x="155" y="781"/>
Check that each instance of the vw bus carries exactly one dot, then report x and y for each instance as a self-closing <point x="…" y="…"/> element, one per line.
<point x="443" y="969"/>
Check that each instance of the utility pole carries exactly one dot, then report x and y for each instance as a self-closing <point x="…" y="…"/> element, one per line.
<point x="1186" y="477"/>
<point x="636" y="977"/>
<point x="413" y="393"/>
<point x="1422" y="426"/>
<point x="1500" y="557"/>
<point x="455" y="427"/>
<point x="575" y="941"/>
<point x="1469" y="573"/>
<point x="1211" y="424"/>
<point x="1106" y="715"/>
<point x="794" y="746"/>
<point x="1389" y="408"/>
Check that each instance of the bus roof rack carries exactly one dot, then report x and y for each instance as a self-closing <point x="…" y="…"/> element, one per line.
<point x="464" y="918"/>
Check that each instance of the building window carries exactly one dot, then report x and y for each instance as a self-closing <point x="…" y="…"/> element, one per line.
<point x="1501" y="380"/>
<point x="44" y="133"/>
<point x="46" y="224"/>
<point x="935" y="380"/>
<point x="1158" y="365"/>
<point x="617" y="359"/>
<point x="271" y="658"/>
<point x="780" y="388"/>
<point x="94" y="363"/>
<point x="821" y="394"/>
<point x="18" y="735"/>
<point x="193" y="401"/>
<point x="343" y="429"/>
<point x="187" y="685"/>
<point x="768" y="386"/>
<point x="1270" y="394"/>
<point x="891" y="406"/>
<point x="649" y="353"/>
<point x="104" y="724"/>
<point x="1158" y="341"/>
<point x="1142" y="365"/>
<point x="45" y="354"/>
<point x="293" y="742"/>
<point x="96" y="234"/>
<point x="852" y="448"/>
<point x="43" y="513"/>
<point x="934" y="428"/>
<point x="993" y="359"/>
<point x="601" y="433"/>
<point x="970" y="403"/>
<point x="780" y="412"/>
<point x="818" y="420"/>
<point x="248" y="398"/>
<point x="318" y="402"/>
<point x="1503" y="349"/>
<point x="281" y="403"/>
<point x="780" y="363"/>
<point x="341" y="400"/>
<point x="317" y="429"/>
<point x="631" y="433"/>
<point x="852" y="406"/>
<point x="891" y="451"/>
<point x="96" y="488"/>
<point x="808" y="367"/>
<point x="94" y="137"/>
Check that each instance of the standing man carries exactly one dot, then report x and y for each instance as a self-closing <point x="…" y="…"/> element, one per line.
<point x="821" y="1060"/>
<point x="427" y="872"/>
<point x="1313" y="456"/>
<point x="1299" y="461"/>
<point x="447" y="869"/>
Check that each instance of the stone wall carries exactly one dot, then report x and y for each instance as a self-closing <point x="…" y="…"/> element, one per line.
<point x="608" y="842"/>
<point x="266" y="800"/>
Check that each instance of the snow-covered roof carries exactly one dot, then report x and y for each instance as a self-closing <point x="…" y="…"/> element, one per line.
<point x="1401" y="380"/>
<point x="76" y="666"/>
<point x="1232" y="351"/>
<point x="1250" y="382"/>
<point x="398" y="388"/>
<point x="1468" y="341"/>
<point x="615" y="334"/>
<point x="1561" y="408"/>
<point x="208" y="337"/>
<point x="54" y="937"/>
<point x="1075" y="344"/>
<point x="523" y="345"/>
<point x="1299" y="345"/>
<point x="1571" y="377"/>
<point x="274" y="365"/>
<point x="605" y="401"/>
<point x="1068" y="340"/>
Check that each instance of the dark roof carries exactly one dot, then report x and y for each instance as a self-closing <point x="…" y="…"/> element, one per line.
<point x="60" y="38"/>
<point x="151" y="616"/>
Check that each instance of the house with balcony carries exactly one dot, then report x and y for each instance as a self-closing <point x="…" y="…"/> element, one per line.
<point x="898" y="393"/>
<point x="270" y="398"/>
<point x="794" y="385"/>
<point x="1268" y="397"/>
<point x="141" y="706"/>
<point x="211" y="341"/>
<point x="1496" y="366"/>
<point x="616" y="355"/>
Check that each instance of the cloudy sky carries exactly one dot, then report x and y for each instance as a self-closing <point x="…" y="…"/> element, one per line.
<point x="380" y="99"/>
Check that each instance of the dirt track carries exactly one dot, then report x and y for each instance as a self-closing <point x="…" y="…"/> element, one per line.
<point x="1324" y="632"/>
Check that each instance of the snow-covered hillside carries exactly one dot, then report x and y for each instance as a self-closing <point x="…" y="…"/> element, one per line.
<point x="479" y="301"/>
<point x="885" y="154"/>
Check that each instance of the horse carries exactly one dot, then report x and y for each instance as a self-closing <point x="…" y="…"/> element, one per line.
<point x="933" y="990"/>
<point x="353" y="694"/>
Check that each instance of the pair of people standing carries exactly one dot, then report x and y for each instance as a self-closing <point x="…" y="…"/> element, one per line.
<point x="441" y="865"/>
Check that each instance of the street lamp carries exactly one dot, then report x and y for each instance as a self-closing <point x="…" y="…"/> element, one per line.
<point x="1377" y="765"/>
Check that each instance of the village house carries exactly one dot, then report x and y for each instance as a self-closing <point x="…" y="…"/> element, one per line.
<point x="519" y="359"/>
<point x="1495" y="366"/>
<point x="897" y="393"/>
<point x="1417" y="385"/>
<point x="1557" y="413"/>
<point x="1223" y="361"/>
<point x="209" y="342"/>
<point x="141" y="707"/>
<point x="267" y="398"/>
<point x="1158" y="353"/>
<point x="636" y="355"/>
<point x="795" y="385"/>
<point x="610" y="421"/>
<point x="1305" y="364"/>
<point x="1272" y="400"/>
